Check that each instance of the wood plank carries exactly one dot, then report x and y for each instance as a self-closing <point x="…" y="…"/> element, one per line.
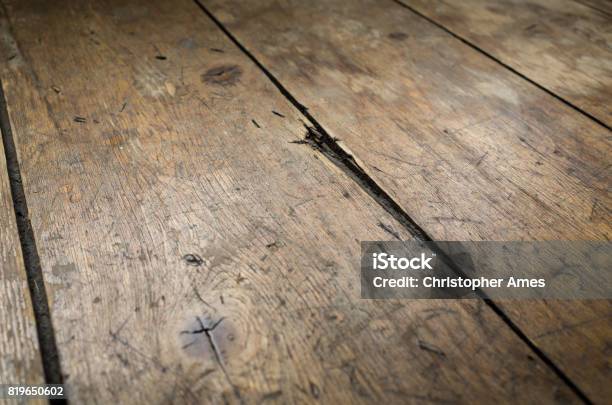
<point x="561" y="44"/>
<point x="468" y="149"/>
<point x="147" y="138"/>
<point x="603" y="6"/>
<point x="20" y="361"/>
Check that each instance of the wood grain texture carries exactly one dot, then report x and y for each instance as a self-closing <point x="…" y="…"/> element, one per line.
<point x="468" y="149"/>
<point x="19" y="355"/>
<point x="602" y="6"/>
<point x="561" y="44"/>
<point x="20" y="361"/>
<point x="192" y="253"/>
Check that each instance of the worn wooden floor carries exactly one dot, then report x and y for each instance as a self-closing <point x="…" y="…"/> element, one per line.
<point x="194" y="249"/>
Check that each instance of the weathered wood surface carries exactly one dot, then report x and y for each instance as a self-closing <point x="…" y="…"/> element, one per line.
<point x="470" y="150"/>
<point x="603" y="6"/>
<point x="20" y="361"/>
<point x="561" y="44"/>
<point x="147" y="138"/>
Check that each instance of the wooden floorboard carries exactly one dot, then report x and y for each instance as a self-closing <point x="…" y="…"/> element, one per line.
<point x="602" y="6"/>
<point x="561" y="44"/>
<point x="192" y="252"/>
<point x="469" y="149"/>
<point x="20" y="362"/>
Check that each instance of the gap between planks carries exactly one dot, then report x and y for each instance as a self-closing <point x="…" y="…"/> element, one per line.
<point x="319" y="139"/>
<point x="503" y="64"/>
<point x="31" y="259"/>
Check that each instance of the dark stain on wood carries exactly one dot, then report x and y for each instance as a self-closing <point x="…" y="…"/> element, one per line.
<point x="428" y="347"/>
<point x="193" y="260"/>
<point x="398" y="36"/>
<point x="225" y="75"/>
